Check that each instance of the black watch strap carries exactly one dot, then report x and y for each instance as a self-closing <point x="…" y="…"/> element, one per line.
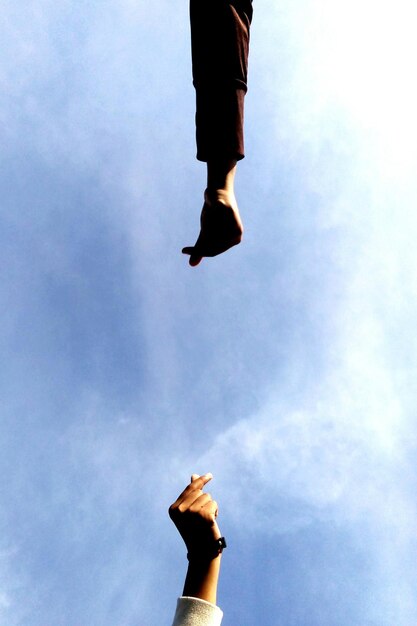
<point x="212" y="552"/>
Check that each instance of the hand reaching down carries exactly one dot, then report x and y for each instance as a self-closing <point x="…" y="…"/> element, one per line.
<point x="221" y="227"/>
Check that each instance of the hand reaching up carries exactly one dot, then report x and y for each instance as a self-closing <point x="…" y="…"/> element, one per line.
<point x="194" y="514"/>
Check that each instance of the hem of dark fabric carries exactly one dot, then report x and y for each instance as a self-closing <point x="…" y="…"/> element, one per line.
<point x="219" y="124"/>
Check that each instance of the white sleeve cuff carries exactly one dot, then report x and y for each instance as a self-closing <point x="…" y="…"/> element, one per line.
<point x="196" y="612"/>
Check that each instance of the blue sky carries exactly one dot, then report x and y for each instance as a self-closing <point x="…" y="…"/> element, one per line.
<point x="286" y="367"/>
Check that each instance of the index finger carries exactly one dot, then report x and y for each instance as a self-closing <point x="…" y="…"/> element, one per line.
<point x="207" y="477"/>
<point x="197" y="483"/>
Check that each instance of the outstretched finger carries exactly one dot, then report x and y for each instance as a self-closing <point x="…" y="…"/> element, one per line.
<point x="194" y="490"/>
<point x="195" y="259"/>
<point x="198" y="482"/>
<point x="190" y="493"/>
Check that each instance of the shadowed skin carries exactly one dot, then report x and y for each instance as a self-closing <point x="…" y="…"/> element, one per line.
<point x="194" y="513"/>
<point x="220" y="225"/>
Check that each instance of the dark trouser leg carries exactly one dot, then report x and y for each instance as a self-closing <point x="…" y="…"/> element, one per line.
<point x="220" y="47"/>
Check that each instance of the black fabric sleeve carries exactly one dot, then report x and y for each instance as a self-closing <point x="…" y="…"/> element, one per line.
<point x="220" y="48"/>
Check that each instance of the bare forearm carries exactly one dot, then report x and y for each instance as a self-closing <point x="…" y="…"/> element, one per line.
<point x="202" y="579"/>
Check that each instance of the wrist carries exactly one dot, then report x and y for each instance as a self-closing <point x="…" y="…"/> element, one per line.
<point x="208" y="552"/>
